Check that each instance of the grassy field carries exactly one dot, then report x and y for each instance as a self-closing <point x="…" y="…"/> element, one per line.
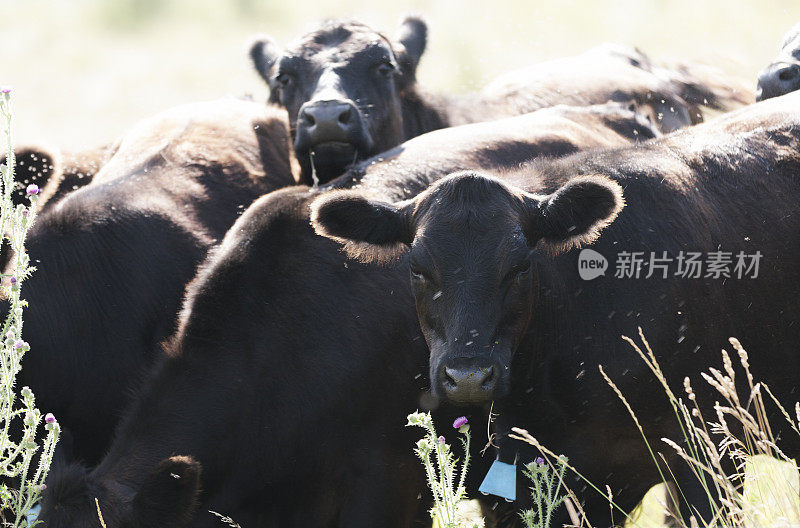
<point x="85" y="70"/>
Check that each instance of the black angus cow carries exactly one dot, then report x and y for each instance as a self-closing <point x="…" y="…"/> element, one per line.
<point x="351" y="92"/>
<point x="783" y="75"/>
<point x="509" y="319"/>
<point x="113" y="257"/>
<point x="275" y="383"/>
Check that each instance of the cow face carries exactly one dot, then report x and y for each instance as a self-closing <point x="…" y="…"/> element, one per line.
<point x="783" y="75"/>
<point x="474" y="242"/>
<point x="341" y="86"/>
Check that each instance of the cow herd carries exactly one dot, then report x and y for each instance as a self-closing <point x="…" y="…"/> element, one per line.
<point x="237" y="304"/>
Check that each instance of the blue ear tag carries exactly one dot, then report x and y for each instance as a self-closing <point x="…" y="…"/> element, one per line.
<point x="33" y="514"/>
<point x="501" y="480"/>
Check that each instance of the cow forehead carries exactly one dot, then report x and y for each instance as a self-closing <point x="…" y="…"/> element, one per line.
<point x="472" y="202"/>
<point x="470" y="237"/>
<point x="339" y="46"/>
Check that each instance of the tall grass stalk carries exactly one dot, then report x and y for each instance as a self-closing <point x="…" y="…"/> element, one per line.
<point x="733" y="454"/>
<point x="22" y="480"/>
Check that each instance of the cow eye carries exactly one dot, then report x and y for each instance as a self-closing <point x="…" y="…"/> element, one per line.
<point x="386" y="69"/>
<point x="283" y="79"/>
<point x="418" y="275"/>
<point x="518" y="271"/>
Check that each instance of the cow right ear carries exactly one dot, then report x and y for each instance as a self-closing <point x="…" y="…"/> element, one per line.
<point x="574" y="214"/>
<point x="370" y="230"/>
<point x="264" y="52"/>
<point x="169" y="495"/>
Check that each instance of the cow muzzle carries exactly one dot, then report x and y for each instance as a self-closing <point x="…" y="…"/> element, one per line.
<point x="332" y="131"/>
<point x="778" y="79"/>
<point x="469" y="381"/>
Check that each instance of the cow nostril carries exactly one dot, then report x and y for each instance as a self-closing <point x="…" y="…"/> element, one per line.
<point x="489" y="378"/>
<point x="344" y="117"/>
<point x="788" y="74"/>
<point x="309" y="119"/>
<point x="449" y="380"/>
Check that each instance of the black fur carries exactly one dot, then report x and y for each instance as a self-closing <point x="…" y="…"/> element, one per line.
<point x="490" y="299"/>
<point x="237" y="390"/>
<point x="114" y="257"/>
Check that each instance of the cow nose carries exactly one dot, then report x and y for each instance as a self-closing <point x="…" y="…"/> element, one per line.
<point x="778" y="79"/>
<point x="469" y="384"/>
<point x="325" y="121"/>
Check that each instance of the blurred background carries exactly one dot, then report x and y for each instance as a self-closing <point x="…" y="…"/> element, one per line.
<point x="83" y="71"/>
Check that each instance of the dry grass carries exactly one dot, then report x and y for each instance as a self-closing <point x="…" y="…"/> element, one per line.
<point x="762" y="489"/>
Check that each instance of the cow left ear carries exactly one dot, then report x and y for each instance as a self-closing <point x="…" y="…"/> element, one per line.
<point x="169" y="495"/>
<point x="573" y="215"/>
<point x="370" y="230"/>
<point x="413" y="35"/>
<point x="34" y="165"/>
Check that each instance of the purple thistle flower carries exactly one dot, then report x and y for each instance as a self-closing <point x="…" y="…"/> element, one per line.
<point x="441" y="439"/>
<point x="13" y="280"/>
<point x="460" y="421"/>
<point x="43" y="487"/>
<point x="32" y="189"/>
<point x="49" y="418"/>
<point x="539" y="461"/>
<point x="19" y="344"/>
<point x="5" y="90"/>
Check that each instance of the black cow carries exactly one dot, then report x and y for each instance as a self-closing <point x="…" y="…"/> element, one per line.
<point x="275" y="383"/>
<point x="508" y="318"/>
<point x="114" y="257"/>
<point x="351" y="92"/>
<point x="783" y="75"/>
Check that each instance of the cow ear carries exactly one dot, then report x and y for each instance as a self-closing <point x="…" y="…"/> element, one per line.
<point x="34" y="165"/>
<point x="264" y="52"/>
<point x="370" y="230"/>
<point x="791" y="36"/>
<point x="573" y="215"/>
<point x="413" y="35"/>
<point x="169" y="495"/>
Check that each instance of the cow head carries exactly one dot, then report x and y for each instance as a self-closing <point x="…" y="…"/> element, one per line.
<point x="341" y="86"/>
<point x="167" y="498"/>
<point x="474" y="242"/>
<point x="783" y="75"/>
